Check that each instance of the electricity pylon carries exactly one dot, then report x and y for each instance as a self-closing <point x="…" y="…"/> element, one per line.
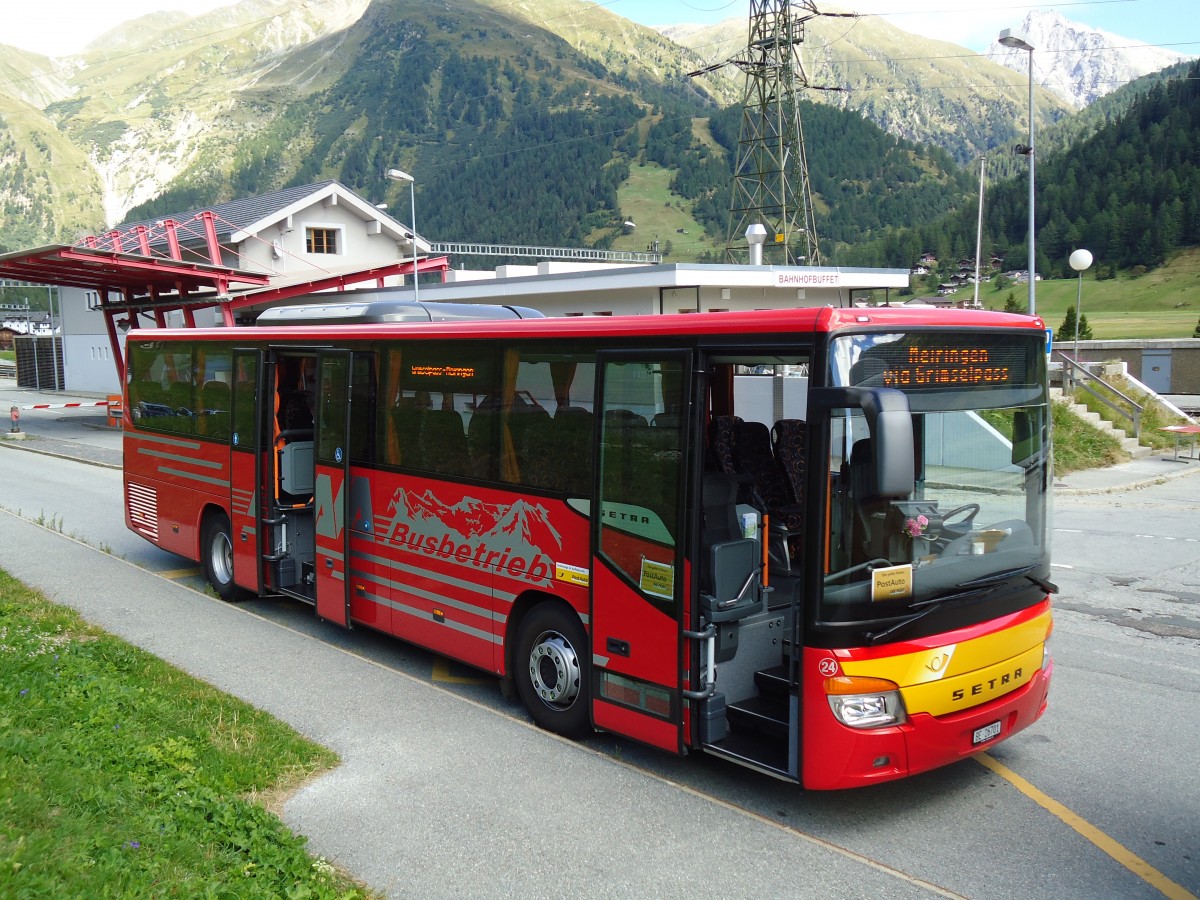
<point x="770" y="179"/>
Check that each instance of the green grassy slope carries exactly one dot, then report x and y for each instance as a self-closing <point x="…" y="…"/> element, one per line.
<point x="1164" y="303"/>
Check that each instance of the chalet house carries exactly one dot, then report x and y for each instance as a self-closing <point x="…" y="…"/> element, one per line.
<point x="298" y="234"/>
<point x="26" y="322"/>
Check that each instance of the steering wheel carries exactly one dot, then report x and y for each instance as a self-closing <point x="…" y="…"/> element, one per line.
<point x="973" y="512"/>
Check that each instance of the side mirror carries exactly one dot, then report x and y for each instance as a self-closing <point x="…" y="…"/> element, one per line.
<point x="892" y="431"/>
<point x="1025" y="442"/>
<point x="889" y="421"/>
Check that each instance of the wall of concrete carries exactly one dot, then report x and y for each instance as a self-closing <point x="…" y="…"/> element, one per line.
<point x="1184" y="359"/>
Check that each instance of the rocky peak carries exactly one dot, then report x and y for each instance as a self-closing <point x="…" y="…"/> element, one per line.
<point x="1079" y="63"/>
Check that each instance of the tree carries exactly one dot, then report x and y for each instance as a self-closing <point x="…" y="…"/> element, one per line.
<point x="1066" y="331"/>
<point x="1196" y="333"/>
<point x="1012" y="306"/>
<point x="1085" y="330"/>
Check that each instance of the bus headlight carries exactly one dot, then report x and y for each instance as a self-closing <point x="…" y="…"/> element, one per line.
<point x="865" y="702"/>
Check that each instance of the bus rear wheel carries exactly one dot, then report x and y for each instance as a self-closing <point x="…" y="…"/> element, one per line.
<point x="552" y="670"/>
<point x="216" y="550"/>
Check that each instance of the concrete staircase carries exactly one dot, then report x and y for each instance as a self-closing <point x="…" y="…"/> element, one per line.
<point x="1129" y="444"/>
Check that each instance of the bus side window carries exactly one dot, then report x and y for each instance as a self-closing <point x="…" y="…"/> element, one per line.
<point x="214" y="409"/>
<point x="551" y="420"/>
<point x="362" y="408"/>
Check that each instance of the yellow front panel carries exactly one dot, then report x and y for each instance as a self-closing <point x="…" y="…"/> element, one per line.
<point x="930" y="677"/>
<point x="950" y="695"/>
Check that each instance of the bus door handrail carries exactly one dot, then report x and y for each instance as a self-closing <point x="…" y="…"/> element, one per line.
<point x="709" y="635"/>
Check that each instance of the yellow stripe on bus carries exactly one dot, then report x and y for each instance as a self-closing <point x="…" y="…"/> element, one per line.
<point x="983" y="668"/>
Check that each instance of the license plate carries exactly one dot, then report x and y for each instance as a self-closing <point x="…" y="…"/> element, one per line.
<point x="985" y="734"/>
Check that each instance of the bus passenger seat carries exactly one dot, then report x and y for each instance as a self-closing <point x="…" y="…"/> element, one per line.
<point x="755" y="458"/>
<point x="723" y="442"/>
<point x="537" y="457"/>
<point x="406" y="424"/>
<point x="789" y="437"/>
<point x="624" y="418"/>
<point x="443" y="442"/>
<point x="484" y="445"/>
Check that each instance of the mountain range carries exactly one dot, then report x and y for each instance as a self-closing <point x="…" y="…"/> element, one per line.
<point x="1080" y="64"/>
<point x="524" y="122"/>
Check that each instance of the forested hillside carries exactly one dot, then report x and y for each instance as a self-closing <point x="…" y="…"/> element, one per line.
<point x="862" y="178"/>
<point x="1130" y="193"/>
<point x="530" y="143"/>
<point x="513" y="137"/>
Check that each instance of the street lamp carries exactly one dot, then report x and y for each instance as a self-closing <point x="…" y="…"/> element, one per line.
<point x="1080" y="261"/>
<point x="1016" y="40"/>
<point x="397" y="175"/>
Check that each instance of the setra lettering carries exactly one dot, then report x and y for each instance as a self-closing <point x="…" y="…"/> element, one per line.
<point x="619" y="516"/>
<point x="1000" y="681"/>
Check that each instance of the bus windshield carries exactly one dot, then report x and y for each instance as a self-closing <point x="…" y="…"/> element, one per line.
<point x="974" y="527"/>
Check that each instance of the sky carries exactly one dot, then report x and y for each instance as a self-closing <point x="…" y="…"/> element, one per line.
<point x="63" y="27"/>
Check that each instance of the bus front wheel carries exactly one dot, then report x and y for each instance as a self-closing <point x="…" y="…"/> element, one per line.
<point x="552" y="670"/>
<point x="216" y="548"/>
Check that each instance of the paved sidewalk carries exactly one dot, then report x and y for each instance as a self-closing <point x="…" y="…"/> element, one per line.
<point x="436" y="795"/>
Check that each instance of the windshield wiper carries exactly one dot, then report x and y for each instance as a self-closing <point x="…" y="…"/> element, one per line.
<point x="875" y="637"/>
<point x="995" y="578"/>
<point x="975" y="589"/>
<point x="926" y="607"/>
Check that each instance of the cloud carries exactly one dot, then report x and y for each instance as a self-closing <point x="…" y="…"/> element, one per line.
<point x="64" y="27"/>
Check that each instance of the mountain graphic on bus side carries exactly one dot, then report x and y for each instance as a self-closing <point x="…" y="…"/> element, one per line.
<point x="518" y="524"/>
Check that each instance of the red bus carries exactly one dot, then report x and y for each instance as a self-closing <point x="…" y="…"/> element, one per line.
<point x="814" y="542"/>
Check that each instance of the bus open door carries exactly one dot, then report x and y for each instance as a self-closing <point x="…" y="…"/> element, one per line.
<point x="331" y="461"/>
<point x="639" y="580"/>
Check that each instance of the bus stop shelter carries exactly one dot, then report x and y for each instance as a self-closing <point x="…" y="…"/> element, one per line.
<point x="129" y="285"/>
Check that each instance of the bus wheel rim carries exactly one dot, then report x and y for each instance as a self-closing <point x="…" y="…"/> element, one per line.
<point x="554" y="670"/>
<point x="221" y="556"/>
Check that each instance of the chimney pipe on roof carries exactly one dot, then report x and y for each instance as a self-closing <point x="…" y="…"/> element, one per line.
<point x="756" y="236"/>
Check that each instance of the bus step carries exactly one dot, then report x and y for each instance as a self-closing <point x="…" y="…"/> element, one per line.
<point x="765" y="754"/>
<point x="773" y="681"/>
<point x="767" y="715"/>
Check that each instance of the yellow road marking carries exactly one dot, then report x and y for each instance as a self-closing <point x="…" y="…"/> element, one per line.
<point x="441" y="672"/>
<point x="1117" y="851"/>
<point x="181" y="573"/>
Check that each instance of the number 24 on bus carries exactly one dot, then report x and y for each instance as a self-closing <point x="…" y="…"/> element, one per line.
<point x="813" y="542"/>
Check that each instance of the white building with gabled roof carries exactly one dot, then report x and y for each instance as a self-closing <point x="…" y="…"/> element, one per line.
<point x="322" y="237"/>
<point x="299" y="234"/>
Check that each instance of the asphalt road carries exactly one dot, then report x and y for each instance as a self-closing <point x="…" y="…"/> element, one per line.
<point x="446" y="789"/>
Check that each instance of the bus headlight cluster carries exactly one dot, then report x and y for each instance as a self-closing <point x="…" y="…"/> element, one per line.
<point x="865" y="702"/>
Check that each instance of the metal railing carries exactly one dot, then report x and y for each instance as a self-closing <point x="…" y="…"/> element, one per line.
<point x="585" y="254"/>
<point x="1076" y="374"/>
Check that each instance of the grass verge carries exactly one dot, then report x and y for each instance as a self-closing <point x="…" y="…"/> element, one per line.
<point x="121" y="776"/>
<point x="1077" y="445"/>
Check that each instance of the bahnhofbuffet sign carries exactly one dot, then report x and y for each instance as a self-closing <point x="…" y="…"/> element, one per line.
<point x="808" y="279"/>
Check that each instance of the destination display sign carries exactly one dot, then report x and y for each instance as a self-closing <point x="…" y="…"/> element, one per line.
<point x="948" y="366"/>
<point x="433" y="371"/>
<point x="927" y="362"/>
<point x="439" y="366"/>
